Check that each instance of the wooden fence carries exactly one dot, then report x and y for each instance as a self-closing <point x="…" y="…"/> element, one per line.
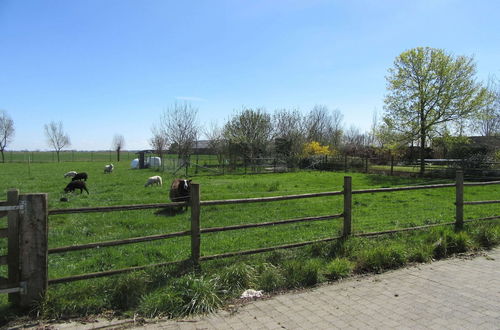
<point x="28" y="262"/>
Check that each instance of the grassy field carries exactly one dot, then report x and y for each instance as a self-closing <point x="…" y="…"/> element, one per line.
<point x="371" y="212"/>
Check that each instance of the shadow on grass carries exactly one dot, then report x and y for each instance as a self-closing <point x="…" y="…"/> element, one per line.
<point x="171" y="211"/>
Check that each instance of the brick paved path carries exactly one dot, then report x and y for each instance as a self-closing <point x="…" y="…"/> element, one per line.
<point x="456" y="293"/>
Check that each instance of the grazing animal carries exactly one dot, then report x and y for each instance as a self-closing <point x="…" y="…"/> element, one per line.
<point x="179" y="190"/>
<point x="80" y="176"/>
<point x="154" y="180"/>
<point x="76" y="185"/>
<point x="70" y="174"/>
<point x="108" y="168"/>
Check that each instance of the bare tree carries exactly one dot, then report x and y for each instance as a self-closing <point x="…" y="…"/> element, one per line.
<point x="216" y="141"/>
<point x="56" y="138"/>
<point x="6" y="131"/>
<point x="118" y="144"/>
<point x="179" y="126"/>
<point x="323" y="126"/>
<point x="288" y="135"/>
<point x="159" y="143"/>
<point x="354" y="141"/>
<point x="487" y="120"/>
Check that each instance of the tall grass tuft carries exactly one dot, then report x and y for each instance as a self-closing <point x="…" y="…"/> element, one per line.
<point x="127" y="290"/>
<point x="447" y="242"/>
<point x="270" y="278"/>
<point x="199" y="294"/>
<point x="236" y="278"/>
<point x="381" y="257"/>
<point x="338" y="268"/>
<point x="163" y="302"/>
<point x="486" y="235"/>
<point x="302" y="273"/>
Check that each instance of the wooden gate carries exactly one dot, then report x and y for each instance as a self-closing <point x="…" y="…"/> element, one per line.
<point x="26" y="258"/>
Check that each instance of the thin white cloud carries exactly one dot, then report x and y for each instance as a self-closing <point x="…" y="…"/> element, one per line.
<point x="190" y="98"/>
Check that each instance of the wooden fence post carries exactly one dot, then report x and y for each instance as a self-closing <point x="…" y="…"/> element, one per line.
<point x="195" y="223"/>
<point x="33" y="247"/>
<point x="459" y="200"/>
<point x="347" y="206"/>
<point x="13" y="244"/>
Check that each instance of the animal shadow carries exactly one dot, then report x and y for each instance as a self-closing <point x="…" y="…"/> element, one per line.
<point x="170" y="211"/>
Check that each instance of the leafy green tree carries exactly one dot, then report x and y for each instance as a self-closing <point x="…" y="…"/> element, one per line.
<point x="248" y="133"/>
<point x="428" y="88"/>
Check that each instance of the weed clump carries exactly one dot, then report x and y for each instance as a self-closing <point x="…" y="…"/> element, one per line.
<point x="338" y="268"/>
<point x="270" y="278"/>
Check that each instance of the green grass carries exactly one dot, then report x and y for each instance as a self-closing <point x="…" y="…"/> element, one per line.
<point x="371" y="212"/>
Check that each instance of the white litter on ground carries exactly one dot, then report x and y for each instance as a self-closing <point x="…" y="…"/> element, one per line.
<point x="251" y="293"/>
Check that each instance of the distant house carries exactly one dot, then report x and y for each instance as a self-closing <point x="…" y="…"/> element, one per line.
<point x="491" y="143"/>
<point x="200" y="147"/>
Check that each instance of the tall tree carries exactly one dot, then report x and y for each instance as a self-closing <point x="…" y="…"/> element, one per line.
<point x="249" y="133"/>
<point x="118" y="145"/>
<point x="428" y="87"/>
<point x="6" y="131"/>
<point x="324" y="126"/>
<point x="178" y="124"/>
<point x="487" y="121"/>
<point x="56" y="138"/>
<point x="288" y="135"/>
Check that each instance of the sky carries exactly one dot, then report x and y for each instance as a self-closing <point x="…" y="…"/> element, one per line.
<point x="107" y="67"/>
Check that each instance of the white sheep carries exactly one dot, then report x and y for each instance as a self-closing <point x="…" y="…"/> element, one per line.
<point x="70" y="174"/>
<point x="108" y="168"/>
<point x="154" y="180"/>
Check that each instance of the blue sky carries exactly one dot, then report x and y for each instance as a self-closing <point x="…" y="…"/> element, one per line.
<point x="106" y="67"/>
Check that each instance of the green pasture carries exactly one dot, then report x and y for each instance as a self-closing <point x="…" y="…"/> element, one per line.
<point x="125" y="186"/>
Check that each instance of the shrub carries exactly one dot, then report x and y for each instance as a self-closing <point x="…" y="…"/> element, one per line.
<point x="338" y="268"/>
<point x="270" y="278"/>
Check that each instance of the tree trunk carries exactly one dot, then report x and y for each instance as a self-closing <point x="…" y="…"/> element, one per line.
<point x="422" y="146"/>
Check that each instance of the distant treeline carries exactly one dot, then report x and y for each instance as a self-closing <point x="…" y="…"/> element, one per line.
<point x="66" y="156"/>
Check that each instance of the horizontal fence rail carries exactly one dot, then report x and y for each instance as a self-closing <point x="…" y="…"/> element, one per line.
<point x="118" y="242"/>
<point x="268" y="199"/>
<point x="481" y="202"/>
<point x="264" y="224"/>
